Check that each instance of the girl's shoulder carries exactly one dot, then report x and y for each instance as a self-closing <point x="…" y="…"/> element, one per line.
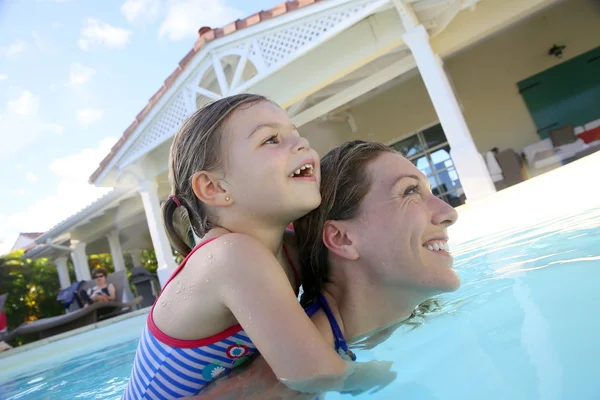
<point x="228" y="252"/>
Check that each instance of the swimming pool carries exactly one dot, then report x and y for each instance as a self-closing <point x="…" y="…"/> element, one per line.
<point x="524" y="325"/>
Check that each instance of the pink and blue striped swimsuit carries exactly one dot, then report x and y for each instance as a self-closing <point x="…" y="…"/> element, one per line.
<point x="169" y="368"/>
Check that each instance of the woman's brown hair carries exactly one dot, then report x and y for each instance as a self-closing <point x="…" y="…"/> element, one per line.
<point x="197" y="147"/>
<point x="344" y="184"/>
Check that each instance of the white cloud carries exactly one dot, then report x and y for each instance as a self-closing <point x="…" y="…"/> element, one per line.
<point x="87" y="116"/>
<point x="18" y="131"/>
<point x="185" y="17"/>
<point x="31" y="177"/>
<point x="80" y="74"/>
<point x="72" y="194"/>
<point x="141" y="11"/>
<point x="25" y="105"/>
<point x="51" y="127"/>
<point x="98" y="32"/>
<point x="14" y="49"/>
<point x="3" y="77"/>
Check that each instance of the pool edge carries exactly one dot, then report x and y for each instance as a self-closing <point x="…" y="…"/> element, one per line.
<point x="30" y="346"/>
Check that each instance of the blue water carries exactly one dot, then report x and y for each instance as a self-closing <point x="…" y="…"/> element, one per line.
<point x="524" y="325"/>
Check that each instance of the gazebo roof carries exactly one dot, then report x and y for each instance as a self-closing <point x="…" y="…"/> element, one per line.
<point x="206" y="35"/>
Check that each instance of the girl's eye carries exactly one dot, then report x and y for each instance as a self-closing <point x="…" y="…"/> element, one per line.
<point x="414" y="189"/>
<point x="272" y="140"/>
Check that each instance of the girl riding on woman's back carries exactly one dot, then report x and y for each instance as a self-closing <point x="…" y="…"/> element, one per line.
<point x="240" y="173"/>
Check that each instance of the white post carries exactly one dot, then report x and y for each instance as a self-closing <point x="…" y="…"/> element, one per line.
<point x="82" y="268"/>
<point x="470" y="166"/>
<point x="115" y="250"/>
<point x="135" y="257"/>
<point x="162" y="247"/>
<point x="63" y="272"/>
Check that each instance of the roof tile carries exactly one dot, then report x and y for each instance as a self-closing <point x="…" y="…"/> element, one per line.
<point x="169" y="81"/>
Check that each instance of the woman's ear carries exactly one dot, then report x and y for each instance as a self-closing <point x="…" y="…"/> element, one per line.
<point x="337" y="241"/>
<point x="207" y="188"/>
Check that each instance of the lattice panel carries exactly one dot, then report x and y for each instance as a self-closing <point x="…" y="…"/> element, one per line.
<point x="281" y="44"/>
<point x="160" y="129"/>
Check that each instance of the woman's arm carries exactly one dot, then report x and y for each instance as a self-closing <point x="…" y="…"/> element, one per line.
<point x="112" y="292"/>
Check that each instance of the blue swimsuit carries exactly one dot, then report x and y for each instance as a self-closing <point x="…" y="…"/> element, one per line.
<point x="340" y="343"/>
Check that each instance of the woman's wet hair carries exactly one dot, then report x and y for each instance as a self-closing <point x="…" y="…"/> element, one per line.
<point x="197" y="147"/>
<point x="344" y="184"/>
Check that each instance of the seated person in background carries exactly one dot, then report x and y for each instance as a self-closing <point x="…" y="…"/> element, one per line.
<point x="101" y="290"/>
<point x="374" y="250"/>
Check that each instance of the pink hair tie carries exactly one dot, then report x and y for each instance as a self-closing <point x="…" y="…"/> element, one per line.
<point x="175" y="199"/>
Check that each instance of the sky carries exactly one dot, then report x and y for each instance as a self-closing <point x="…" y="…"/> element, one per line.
<point x="72" y="78"/>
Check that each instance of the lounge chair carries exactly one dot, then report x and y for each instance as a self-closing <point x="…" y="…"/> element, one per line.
<point x="51" y="326"/>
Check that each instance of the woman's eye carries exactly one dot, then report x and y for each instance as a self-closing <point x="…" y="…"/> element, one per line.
<point x="272" y="140"/>
<point x="414" y="189"/>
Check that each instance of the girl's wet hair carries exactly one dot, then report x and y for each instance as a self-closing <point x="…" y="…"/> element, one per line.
<point x="344" y="184"/>
<point x="197" y="147"/>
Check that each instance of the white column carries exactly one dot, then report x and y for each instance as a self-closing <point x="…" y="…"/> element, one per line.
<point x="160" y="241"/>
<point x="135" y="257"/>
<point x="63" y="272"/>
<point x="470" y="166"/>
<point x="115" y="250"/>
<point x="82" y="268"/>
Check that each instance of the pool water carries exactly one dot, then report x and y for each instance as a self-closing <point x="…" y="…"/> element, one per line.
<point x="524" y="325"/>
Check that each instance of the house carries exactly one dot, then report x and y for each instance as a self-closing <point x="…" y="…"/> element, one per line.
<point x="25" y="240"/>
<point x="444" y="81"/>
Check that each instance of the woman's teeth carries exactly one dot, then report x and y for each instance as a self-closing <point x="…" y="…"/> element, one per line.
<point x="305" y="170"/>
<point x="435" y="246"/>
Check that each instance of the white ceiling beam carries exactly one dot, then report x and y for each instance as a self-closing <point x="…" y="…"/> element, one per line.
<point x="218" y="67"/>
<point x="240" y="66"/>
<point x="385" y="75"/>
<point x="294" y="108"/>
<point x="207" y="93"/>
<point x="407" y="14"/>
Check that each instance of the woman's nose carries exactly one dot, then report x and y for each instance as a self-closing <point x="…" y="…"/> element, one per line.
<point x="442" y="212"/>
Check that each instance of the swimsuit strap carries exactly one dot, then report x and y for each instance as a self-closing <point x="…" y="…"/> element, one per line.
<point x="340" y="341"/>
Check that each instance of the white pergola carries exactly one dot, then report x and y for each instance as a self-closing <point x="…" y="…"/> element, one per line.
<point x="312" y="61"/>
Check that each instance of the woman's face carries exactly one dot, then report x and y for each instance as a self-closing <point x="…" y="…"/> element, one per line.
<point x="401" y="228"/>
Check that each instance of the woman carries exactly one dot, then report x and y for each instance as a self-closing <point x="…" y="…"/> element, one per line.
<point x="101" y="290"/>
<point x="373" y="251"/>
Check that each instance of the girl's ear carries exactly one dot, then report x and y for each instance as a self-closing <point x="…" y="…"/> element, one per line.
<point x="207" y="188"/>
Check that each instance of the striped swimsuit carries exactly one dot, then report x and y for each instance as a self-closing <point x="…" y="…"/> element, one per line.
<point x="169" y="368"/>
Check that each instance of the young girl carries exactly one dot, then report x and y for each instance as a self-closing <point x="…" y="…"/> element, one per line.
<point x="239" y="173"/>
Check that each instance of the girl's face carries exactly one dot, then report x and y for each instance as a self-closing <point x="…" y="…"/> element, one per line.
<point x="270" y="170"/>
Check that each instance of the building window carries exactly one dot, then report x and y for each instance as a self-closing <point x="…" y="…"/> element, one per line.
<point x="429" y="151"/>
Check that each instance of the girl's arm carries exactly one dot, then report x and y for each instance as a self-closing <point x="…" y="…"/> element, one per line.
<point x="256" y="379"/>
<point x="254" y="286"/>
